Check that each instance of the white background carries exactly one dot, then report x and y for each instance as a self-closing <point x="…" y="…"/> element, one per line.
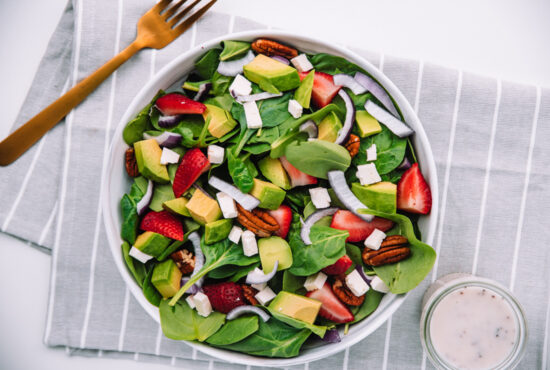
<point x="500" y="38"/>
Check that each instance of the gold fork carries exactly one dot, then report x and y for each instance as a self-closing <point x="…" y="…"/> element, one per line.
<point x="155" y="29"/>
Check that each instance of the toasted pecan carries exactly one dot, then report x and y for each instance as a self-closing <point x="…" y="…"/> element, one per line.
<point x="352" y="145"/>
<point x="270" y="48"/>
<point x="393" y="249"/>
<point x="344" y="293"/>
<point x="184" y="260"/>
<point x="258" y="221"/>
<point x="131" y="163"/>
<point x="249" y="294"/>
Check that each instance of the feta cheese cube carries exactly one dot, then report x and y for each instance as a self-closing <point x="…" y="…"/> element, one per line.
<point x="378" y="285"/>
<point x="356" y="284"/>
<point x="168" y="156"/>
<point x="250" y="247"/>
<point x="320" y="197"/>
<point x="240" y="86"/>
<point x="265" y="295"/>
<point x="235" y="234"/>
<point x="227" y="205"/>
<point x="315" y="282"/>
<point x="375" y="239"/>
<point x="202" y="304"/>
<point x="190" y="301"/>
<point x="252" y="114"/>
<point x="295" y="109"/>
<point x="215" y="154"/>
<point x="259" y="287"/>
<point x="301" y="63"/>
<point x="371" y="153"/>
<point x="367" y="174"/>
<point x="139" y="255"/>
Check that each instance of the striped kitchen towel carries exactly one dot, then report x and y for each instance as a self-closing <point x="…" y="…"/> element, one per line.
<point x="491" y="145"/>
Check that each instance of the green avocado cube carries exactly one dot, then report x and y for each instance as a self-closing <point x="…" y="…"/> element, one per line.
<point x="152" y="243"/>
<point x="271" y="75"/>
<point x="161" y="194"/>
<point x="329" y="127"/>
<point x="177" y="206"/>
<point x="296" y="306"/>
<point x="381" y="196"/>
<point x="366" y="124"/>
<point x="202" y="208"/>
<point x="273" y="170"/>
<point x="274" y="249"/>
<point x="220" y="121"/>
<point x="166" y="278"/>
<point x="271" y="196"/>
<point x="148" y="155"/>
<point x="217" y="230"/>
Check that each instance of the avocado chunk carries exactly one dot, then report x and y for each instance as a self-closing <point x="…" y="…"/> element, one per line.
<point x="202" y="208"/>
<point x="177" y="206"/>
<point x="217" y="230"/>
<point x="381" y="196"/>
<point x="148" y="154"/>
<point x="271" y="196"/>
<point x="271" y="75"/>
<point x="274" y="249"/>
<point x="367" y="125"/>
<point x="161" y="194"/>
<point x="296" y="306"/>
<point x="303" y="93"/>
<point x="220" y="121"/>
<point x="152" y="243"/>
<point x="166" y="278"/>
<point x="329" y="127"/>
<point x="273" y="170"/>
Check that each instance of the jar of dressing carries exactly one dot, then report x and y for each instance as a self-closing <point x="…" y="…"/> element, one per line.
<point x="472" y="323"/>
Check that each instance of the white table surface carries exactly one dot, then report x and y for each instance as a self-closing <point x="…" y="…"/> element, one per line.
<point x="501" y="38"/>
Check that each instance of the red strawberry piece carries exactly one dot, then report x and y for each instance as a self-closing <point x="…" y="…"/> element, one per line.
<point x="173" y="104"/>
<point x="359" y="229"/>
<point x="297" y="177"/>
<point x="224" y="296"/>
<point x="324" y="89"/>
<point x="193" y="164"/>
<point x="283" y="216"/>
<point x="338" y="267"/>
<point x="413" y="193"/>
<point x="331" y="308"/>
<point x="163" y="223"/>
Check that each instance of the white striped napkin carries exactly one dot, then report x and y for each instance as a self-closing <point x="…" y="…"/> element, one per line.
<point x="490" y="140"/>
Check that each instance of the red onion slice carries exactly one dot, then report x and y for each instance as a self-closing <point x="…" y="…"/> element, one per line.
<point x="144" y="202"/>
<point x="203" y="90"/>
<point x="362" y="274"/>
<point x="281" y="59"/>
<point x="199" y="261"/>
<point x="331" y="336"/>
<point x="241" y="310"/>
<point x="256" y="97"/>
<point x="257" y="276"/>
<point x="344" y="133"/>
<point x="395" y="125"/>
<point x="310" y="128"/>
<point x="312" y="219"/>
<point x="169" y="121"/>
<point x="405" y="165"/>
<point x="246" y="200"/>
<point x="234" y="67"/>
<point x="349" y="82"/>
<point x="337" y="181"/>
<point x="166" y="139"/>
<point x="378" y="91"/>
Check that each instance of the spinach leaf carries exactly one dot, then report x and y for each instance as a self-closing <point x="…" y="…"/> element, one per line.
<point x="309" y="209"/>
<point x="293" y="284"/>
<point x="273" y="111"/>
<point x="267" y="135"/>
<point x="233" y="49"/>
<point x="149" y="290"/>
<point x="243" y="271"/>
<point x="390" y="151"/>
<point x="239" y="172"/>
<point x="208" y="63"/>
<point x="372" y="300"/>
<point x="220" y="83"/>
<point x="161" y="194"/>
<point x="257" y="148"/>
<point x="251" y="167"/>
<point x="187" y="137"/>
<point x="318" y="157"/>
<point x="333" y="64"/>
<point x="354" y="253"/>
<point x="130" y="219"/>
<point x="405" y="275"/>
<point x="139" y="187"/>
<point x="216" y="255"/>
<point x="327" y="246"/>
<point x="180" y="322"/>
<point x="136" y="268"/>
<point x="235" y="330"/>
<point x="224" y="101"/>
<point x="135" y="128"/>
<point x="273" y="339"/>
<point x="298" y="198"/>
<point x="298" y="324"/>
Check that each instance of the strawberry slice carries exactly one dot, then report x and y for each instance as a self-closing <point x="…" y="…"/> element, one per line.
<point x="413" y="193"/>
<point x="297" y="177"/>
<point x="331" y="308"/>
<point x="225" y="296"/>
<point x="339" y="267"/>
<point x="283" y="216"/>
<point x="359" y="229"/>
<point x="193" y="164"/>
<point x="324" y="89"/>
<point x="173" y="104"/>
<point x="163" y="223"/>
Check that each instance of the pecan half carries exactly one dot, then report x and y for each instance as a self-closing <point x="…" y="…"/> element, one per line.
<point x="259" y="222"/>
<point x="131" y="163"/>
<point x="184" y="260"/>
<point x="345" y="294"/>
<point x="271" y="48"/>
<point x="393" y="249"/>
<point x="249" y="294"/>
<point x="352" y="145"/>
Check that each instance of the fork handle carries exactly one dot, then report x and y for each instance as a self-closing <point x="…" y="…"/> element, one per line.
<point x="25" y="136"/>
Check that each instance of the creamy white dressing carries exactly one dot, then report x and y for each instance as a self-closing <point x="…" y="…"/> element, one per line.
<point x="473" y="328"/>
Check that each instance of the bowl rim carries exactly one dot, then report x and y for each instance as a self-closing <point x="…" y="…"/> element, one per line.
<point x="110" y="218"/>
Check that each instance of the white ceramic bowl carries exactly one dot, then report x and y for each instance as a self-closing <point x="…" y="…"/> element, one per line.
<point x="118" y="183"/>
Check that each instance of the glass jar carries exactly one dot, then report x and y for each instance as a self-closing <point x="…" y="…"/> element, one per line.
<point x="469" y="288"/>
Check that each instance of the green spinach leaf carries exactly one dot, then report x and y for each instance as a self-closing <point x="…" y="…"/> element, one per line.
<point x="273" y="111"/>
<point x="208" y="63"/>
<point x="318" y="157"/>
<point x="224" y="101"/>
<point x="136" y="268"/>
<point x="233" y="49"/>
<point x="390" y="151"/>
<point x="130" y="219"/>
<point x="354" y="253"/>
<point x="180" y="322"/>
<point x="239" y="172"/>
<point x="149" y="290"/>
<point x="298" y="324"/>
<point x="135" y="128"/>
<point x="235" y="330"/>
<point x="372" y="300"/>
<point x="293" y="284"/>
<point x="220" y="83"/>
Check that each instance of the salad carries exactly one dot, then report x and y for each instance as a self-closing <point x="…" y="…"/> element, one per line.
<point x="275" y="200"/>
